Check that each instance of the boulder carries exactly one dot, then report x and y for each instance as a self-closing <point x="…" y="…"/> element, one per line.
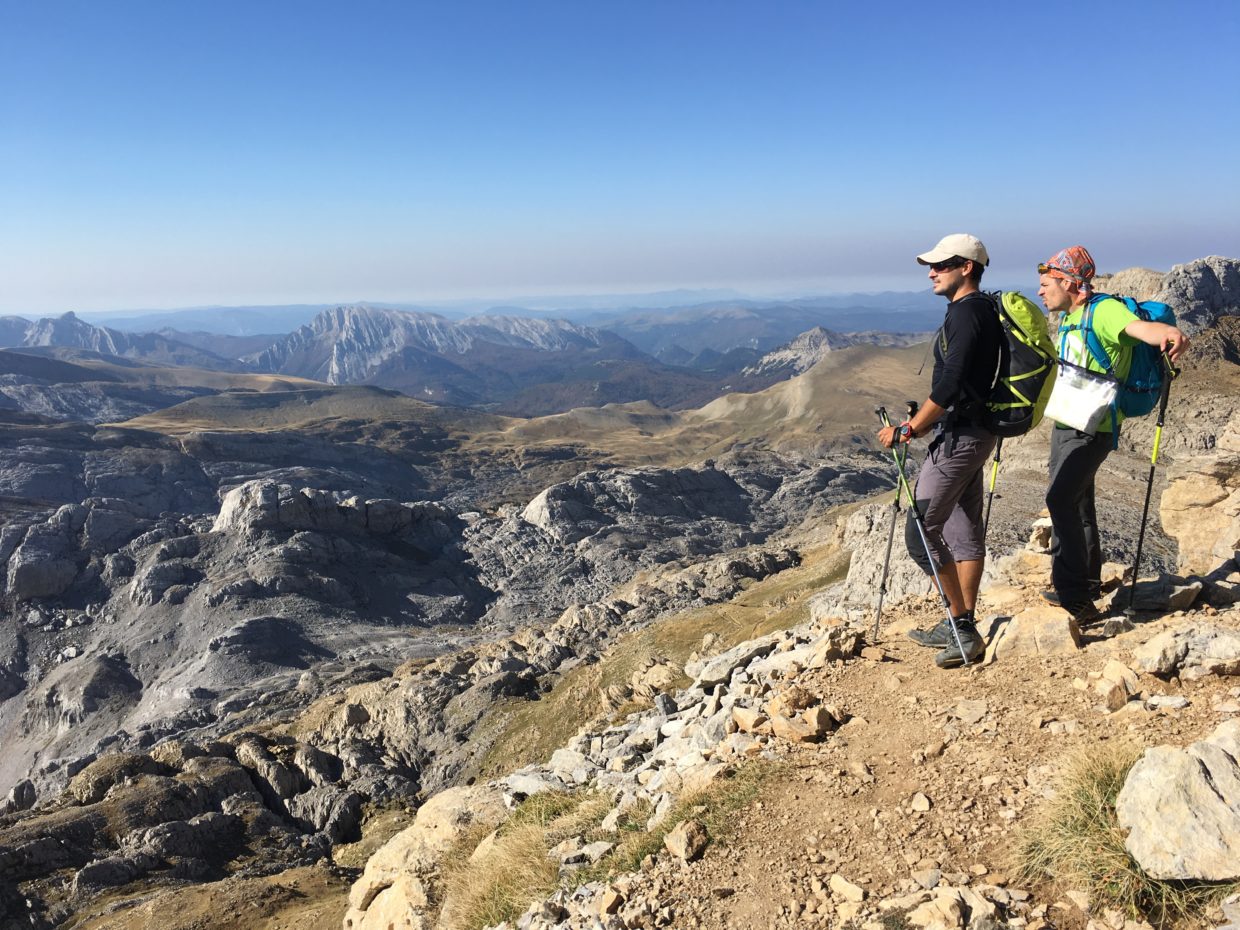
<point x="44" y="564"/>
<point x="112" y="871"/>
<point x="328" y="809"/>
<point x="1181" y="808"/>
<point x="22" y="797"/>
<point x="809" y="726"/>
<point x="272" y="776"/>
<point x="687" y="840"/>
<point x="1037" y="631"/>
<point x="718" y="670"/>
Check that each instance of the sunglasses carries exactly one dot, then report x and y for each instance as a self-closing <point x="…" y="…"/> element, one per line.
<point x="949" y="265"/>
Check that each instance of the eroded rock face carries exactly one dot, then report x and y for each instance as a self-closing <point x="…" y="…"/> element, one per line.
<point x="185" y="621"/>
<point x="1181" y="808"/>
<point x="1201" y="507"/>
<point x="43" y="564"/>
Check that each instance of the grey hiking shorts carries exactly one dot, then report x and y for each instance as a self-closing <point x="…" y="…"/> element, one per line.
<point x="949" y="493"/>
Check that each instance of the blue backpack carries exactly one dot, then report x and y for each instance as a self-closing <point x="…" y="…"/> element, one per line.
<point x="1139" y="392"/>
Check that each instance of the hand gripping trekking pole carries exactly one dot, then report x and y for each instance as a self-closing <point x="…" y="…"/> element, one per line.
<point x="891" y="531"/>
<point x="1170" y="373"/>
<point x="921" y="531"/>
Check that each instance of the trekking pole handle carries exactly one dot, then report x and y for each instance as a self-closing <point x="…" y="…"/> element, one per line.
<point x="1172" y="370"/>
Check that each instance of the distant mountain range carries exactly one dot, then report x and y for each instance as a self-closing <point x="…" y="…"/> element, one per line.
<point x="67" y="331"/>
<point x="515" y="365"/>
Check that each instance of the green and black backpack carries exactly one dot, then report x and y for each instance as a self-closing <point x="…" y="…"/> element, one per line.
<point x="1025" y="374"/>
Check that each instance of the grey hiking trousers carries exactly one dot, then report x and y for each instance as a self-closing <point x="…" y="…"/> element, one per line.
<point x="949" y="494"/>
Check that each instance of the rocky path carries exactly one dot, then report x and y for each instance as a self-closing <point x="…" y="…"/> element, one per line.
<point x="926" y="784"/>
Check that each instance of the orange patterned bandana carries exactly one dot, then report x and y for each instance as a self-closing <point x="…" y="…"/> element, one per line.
<point x="1073" y="264"/>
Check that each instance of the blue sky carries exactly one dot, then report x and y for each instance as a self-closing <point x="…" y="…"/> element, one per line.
<point x="157" y="154"/>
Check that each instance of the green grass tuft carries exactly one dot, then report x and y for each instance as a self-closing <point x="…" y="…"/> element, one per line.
<point x="1076" y="841"/>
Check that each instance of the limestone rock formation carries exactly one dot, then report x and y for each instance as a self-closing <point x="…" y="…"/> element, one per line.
<point x="1141" y="283"/>
<point x="1038" y="630"/>
<point x="810" y="347"/>
<point x="399" y="879"/>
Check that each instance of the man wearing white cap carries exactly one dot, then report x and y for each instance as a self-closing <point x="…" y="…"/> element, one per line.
<point x="949" y="486"/>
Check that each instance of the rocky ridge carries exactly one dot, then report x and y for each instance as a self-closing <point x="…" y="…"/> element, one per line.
<point x="809" y="348"/>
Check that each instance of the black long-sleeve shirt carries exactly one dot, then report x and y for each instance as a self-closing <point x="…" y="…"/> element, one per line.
<point x="966" y="356"/>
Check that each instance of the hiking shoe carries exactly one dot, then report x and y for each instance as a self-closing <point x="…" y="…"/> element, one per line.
<point x="936" y="637"/>
<point x="1084" y="613"/>
<point x="970" y="639"/>
<point x="1051" y="596"/>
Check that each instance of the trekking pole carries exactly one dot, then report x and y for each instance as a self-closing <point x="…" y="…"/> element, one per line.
<point x="990" y="498"/>
<point x="891" y="531"/>
<point x="921" y="531"/>
<point x="1170" y="373"/>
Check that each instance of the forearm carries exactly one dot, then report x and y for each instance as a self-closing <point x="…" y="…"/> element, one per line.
<point x="927" y="416"/>
<point x="1161" y="335"/>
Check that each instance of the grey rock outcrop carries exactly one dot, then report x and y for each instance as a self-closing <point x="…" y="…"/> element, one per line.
<point x="1181" y="808"/>
<point x="812" y="346"/>
<point x="1191" y="652"/>
<point x="1201" y="291"/>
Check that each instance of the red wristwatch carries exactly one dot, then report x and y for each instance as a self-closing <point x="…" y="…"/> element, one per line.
<point x="906" y="432"/>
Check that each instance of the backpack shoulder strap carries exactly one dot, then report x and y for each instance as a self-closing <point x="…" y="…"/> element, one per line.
<point x="1092" y="342"/>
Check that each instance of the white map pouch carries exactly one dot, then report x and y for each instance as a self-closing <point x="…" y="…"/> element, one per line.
<point x="1081" y="398"/>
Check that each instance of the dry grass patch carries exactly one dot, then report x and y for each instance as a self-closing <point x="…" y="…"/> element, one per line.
<point x="1075" y="841"/>
<point x="489" y="879"/>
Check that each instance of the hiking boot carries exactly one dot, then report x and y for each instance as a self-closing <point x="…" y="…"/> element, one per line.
<point x="1051" y="596"/>
<point x="937" y="637"/>
<point x="970" y="639"/>
<point x="1084" y="613"/>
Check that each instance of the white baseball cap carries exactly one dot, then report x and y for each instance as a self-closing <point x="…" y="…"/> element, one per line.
<point x="957" y="245"/>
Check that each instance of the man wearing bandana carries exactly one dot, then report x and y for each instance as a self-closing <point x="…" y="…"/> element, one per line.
<point x="1065" y="286"/>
